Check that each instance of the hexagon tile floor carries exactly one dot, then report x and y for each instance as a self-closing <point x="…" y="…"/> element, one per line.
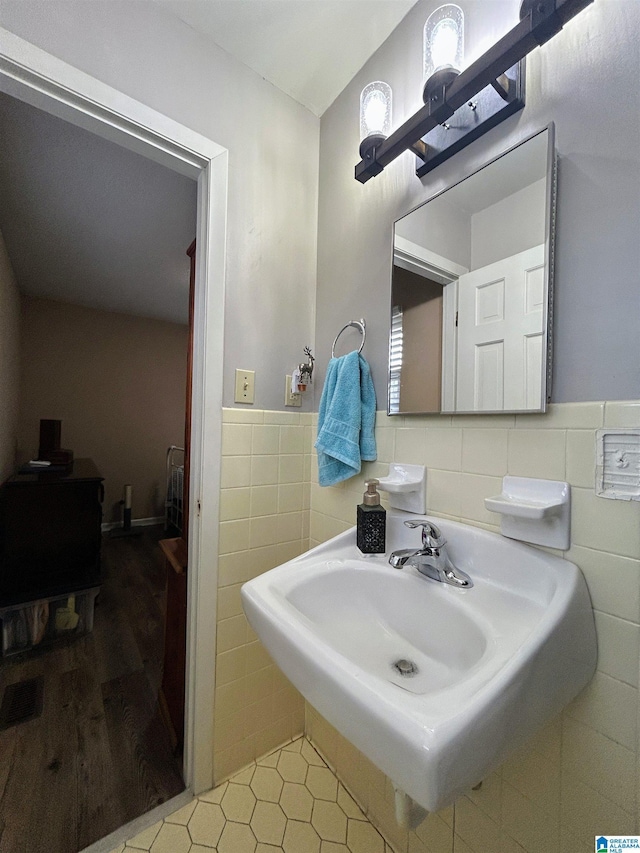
<point x="288" y="802"/>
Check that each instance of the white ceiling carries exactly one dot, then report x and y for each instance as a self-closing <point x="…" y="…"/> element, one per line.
<point x="309" y="49"/>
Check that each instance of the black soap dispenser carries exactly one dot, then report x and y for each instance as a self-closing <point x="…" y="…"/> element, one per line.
<point x="372" y="521"/>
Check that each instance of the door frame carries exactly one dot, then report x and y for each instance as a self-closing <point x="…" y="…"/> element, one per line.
<point x="422" y="261"/>
<point x="44" y="81"/>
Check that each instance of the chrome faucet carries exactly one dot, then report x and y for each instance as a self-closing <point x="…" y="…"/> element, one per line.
<point x="432" y="559"/>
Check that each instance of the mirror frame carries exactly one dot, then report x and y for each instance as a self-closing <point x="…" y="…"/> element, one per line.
<point x="549" y="271"/>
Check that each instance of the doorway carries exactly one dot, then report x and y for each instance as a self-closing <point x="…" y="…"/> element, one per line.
<point x="36" y="77"/>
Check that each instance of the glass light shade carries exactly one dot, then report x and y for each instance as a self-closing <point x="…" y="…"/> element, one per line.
<point x="444" y="39"/>
<point x="375" y="110"/>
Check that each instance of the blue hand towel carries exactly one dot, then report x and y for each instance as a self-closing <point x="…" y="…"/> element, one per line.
<point x="346" y="419"/>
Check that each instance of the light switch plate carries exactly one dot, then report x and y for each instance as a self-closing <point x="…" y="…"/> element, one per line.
<point x="245" y="385"/>
<point x="289" y="398"/>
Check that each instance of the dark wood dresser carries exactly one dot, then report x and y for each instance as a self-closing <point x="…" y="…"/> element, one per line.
<point x="50" y="532"/>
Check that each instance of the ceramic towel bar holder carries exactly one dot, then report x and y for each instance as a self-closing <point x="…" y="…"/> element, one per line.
<point x="535" y="511"/>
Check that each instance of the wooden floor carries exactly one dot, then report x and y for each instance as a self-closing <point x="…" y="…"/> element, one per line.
<point x="99" y="755"/>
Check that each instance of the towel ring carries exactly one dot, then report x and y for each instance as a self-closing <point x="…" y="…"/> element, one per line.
<point x="357" y="324"/>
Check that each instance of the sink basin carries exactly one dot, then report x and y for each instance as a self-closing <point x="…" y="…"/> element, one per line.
<point x="410" y="626"/>
<point x="434" y="684"/>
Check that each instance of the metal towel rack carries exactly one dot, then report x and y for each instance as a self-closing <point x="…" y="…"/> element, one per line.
<point x="357" y="324"/>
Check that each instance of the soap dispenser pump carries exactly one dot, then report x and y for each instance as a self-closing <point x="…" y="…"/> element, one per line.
<point x="371" y="522"/>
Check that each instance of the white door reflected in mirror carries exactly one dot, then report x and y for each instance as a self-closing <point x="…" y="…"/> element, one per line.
<point x="499" y="334"/>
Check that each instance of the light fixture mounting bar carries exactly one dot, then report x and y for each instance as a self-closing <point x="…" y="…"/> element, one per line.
<point x="493" y="104"/>
<point x="542" y="22"/>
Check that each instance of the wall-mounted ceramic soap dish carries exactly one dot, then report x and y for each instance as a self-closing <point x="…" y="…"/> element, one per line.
<point x="407" y="487"/>
<point x="535" y="511"/>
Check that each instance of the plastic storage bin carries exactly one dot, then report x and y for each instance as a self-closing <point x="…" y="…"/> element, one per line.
<point x="35" y="624"/>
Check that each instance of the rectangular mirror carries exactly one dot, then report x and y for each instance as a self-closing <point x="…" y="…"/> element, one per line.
<point x="472" y="288"/>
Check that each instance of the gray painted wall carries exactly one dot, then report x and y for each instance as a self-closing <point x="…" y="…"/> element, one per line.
<point x="144" y="51"/>
<point x="570" y="81"/>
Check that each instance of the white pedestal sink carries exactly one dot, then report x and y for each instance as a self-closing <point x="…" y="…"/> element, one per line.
<point x="488" y="665"/>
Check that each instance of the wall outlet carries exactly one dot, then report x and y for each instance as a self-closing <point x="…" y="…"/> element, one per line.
<point x="245" y="386"/>
<point x="289" y="398"/>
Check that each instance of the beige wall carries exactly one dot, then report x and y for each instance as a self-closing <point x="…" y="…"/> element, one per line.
<point x="9" y="363"/>
<point x="577" y="778"/>
<point x="116" y="382"/>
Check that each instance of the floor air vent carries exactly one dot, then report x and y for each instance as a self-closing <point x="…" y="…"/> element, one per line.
<point x="21" y="702"/>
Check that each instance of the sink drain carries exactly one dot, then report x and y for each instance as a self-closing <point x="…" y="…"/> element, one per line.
<point x="406" y="668"/>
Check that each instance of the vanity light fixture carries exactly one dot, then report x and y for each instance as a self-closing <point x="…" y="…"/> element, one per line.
<point x="462" y="106"/>
<point x="375" y="116"/>
<point x="444" y="39"/>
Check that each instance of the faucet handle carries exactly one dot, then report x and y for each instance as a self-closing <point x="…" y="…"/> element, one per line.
<point x="431" y="535"/>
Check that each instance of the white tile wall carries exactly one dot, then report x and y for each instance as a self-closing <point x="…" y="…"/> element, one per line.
<point x="579" y="777"/>
<point x="264" y="508"/>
